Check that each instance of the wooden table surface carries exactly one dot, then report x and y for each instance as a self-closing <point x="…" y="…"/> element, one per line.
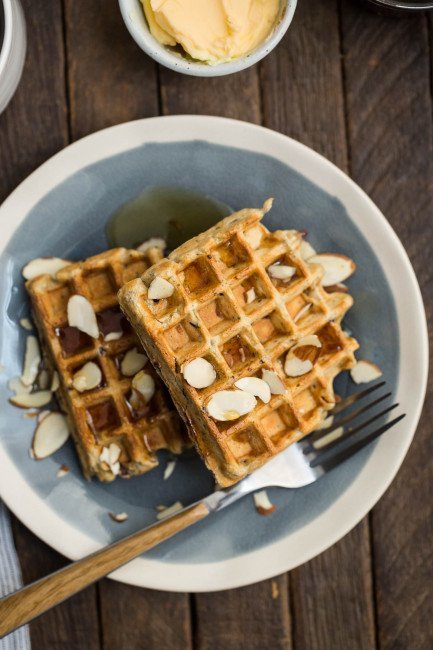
<point x="356" y="87"/>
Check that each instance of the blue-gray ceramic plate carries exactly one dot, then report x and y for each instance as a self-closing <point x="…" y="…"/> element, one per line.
<point x="62" y="209"/>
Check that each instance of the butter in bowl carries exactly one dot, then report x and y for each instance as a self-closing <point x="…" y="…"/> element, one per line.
<point x="207" y="37"/>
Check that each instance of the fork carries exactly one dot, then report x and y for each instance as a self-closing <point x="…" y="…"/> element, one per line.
<point x="300" y="464"/>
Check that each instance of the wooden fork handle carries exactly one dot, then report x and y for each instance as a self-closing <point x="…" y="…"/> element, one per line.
<point x="35" y="599"/>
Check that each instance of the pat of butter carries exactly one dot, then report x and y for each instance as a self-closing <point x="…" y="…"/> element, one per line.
<point x="212" y="30"/>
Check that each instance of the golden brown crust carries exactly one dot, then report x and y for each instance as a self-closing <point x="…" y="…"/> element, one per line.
<point x="208" y="316"/>
<point x="138" y="436"/>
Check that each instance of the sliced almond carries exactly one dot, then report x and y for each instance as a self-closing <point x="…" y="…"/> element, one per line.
<point x="113" y="336"/>
<point x="44" y="379"/>
<point x="55" y="381"/>
<point x="42" y="415"/>
<point x="301" y="357"/>
<point x="306" y="308"/>
<point x="114" y="452"/>
<point x="145" y="385"/>
<point x="160" y="288"/>
<point x="16" y="386"/>
<point x="82" y="315"/>
<point x="62" y="471"/>
<point x="170" y="510"/>
<point x="226" y="405"/>
<point x="109" y="456"/>
<point x="199" y="373"/>
<point x="294" y="367"/>
<point x="365" y="371"/>
<point x="50" y="435"/>
<point x="255" y="386"/>
<point x="32" y="400"/>
<point x="87" y="377"/>
<point x="250" y="296"/>
<point x="169" y="469"/>
<point x="281" y="271"/>
<point x="42" y="266"/>
<point x="337" y="267"/>
<point x="306" y="250"/>
<point x="263" y="504"/>
<point x="32" y="359"/>
<point x="26" y="324"/>
<point x="310" y="339"/>
<point x="120" y="517"/>
<point x="274" y="382"/>
<point x="132" y="362"/>
<point x="254" y="237"/>
<point x="153" y="242"/>
<point x="337" y="288"/>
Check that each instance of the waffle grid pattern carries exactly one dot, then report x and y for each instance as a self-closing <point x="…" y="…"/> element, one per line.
<point x="209" y="316"/>
<point x="103" y="415"/>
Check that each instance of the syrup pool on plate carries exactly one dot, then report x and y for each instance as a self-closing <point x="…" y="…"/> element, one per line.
<point x="173" y="213"/>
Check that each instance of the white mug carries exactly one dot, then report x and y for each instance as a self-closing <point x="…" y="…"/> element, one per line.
<point x="12" y="48"/>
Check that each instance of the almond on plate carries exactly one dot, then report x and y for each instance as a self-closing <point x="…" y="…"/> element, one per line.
<point x="262" y="503"/>
<point x="42" y="266"/>
<point x="337" y="267"/>
<point x="32" y="400"/>
<point x="365" y="371"/>
<point x="32" y="360"/>
<point x="50" y="435"/>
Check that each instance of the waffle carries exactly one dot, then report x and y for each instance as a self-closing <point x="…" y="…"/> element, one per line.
<point x="103" y="415"/>
<point x="209" y="316"/>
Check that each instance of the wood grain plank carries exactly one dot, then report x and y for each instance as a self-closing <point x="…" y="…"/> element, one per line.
<point x="332" y="597"/>
<point x="110" y="79"/>
<point x="250" y="618"/>
<point x="33" y="127"/>
<point x="302" y="84"/>
<point x="73" y="625"/>
<point x="136" y="618"/>
<point x="236" y="96"/>
<point x="390" y="129"/>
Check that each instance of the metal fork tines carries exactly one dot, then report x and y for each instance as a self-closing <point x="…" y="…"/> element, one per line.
<point x="328" y="447"/>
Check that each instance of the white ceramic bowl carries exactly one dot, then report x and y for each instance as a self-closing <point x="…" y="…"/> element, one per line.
<point x="12" y="50"/>
<point x="135" y="21"/>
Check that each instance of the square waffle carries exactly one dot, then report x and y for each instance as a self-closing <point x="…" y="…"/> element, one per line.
<point x="209" y="316"/>
<point x="104" y="415"/>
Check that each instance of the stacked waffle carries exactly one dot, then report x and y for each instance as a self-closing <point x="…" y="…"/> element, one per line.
<point x="116" y="430"/>
<point x="235" y="304"/>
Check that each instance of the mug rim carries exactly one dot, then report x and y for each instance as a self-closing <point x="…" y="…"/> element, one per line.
<point x="403" y="5"/>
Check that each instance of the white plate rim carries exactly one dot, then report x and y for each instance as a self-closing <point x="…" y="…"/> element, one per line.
<point x="381" y="467"/>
